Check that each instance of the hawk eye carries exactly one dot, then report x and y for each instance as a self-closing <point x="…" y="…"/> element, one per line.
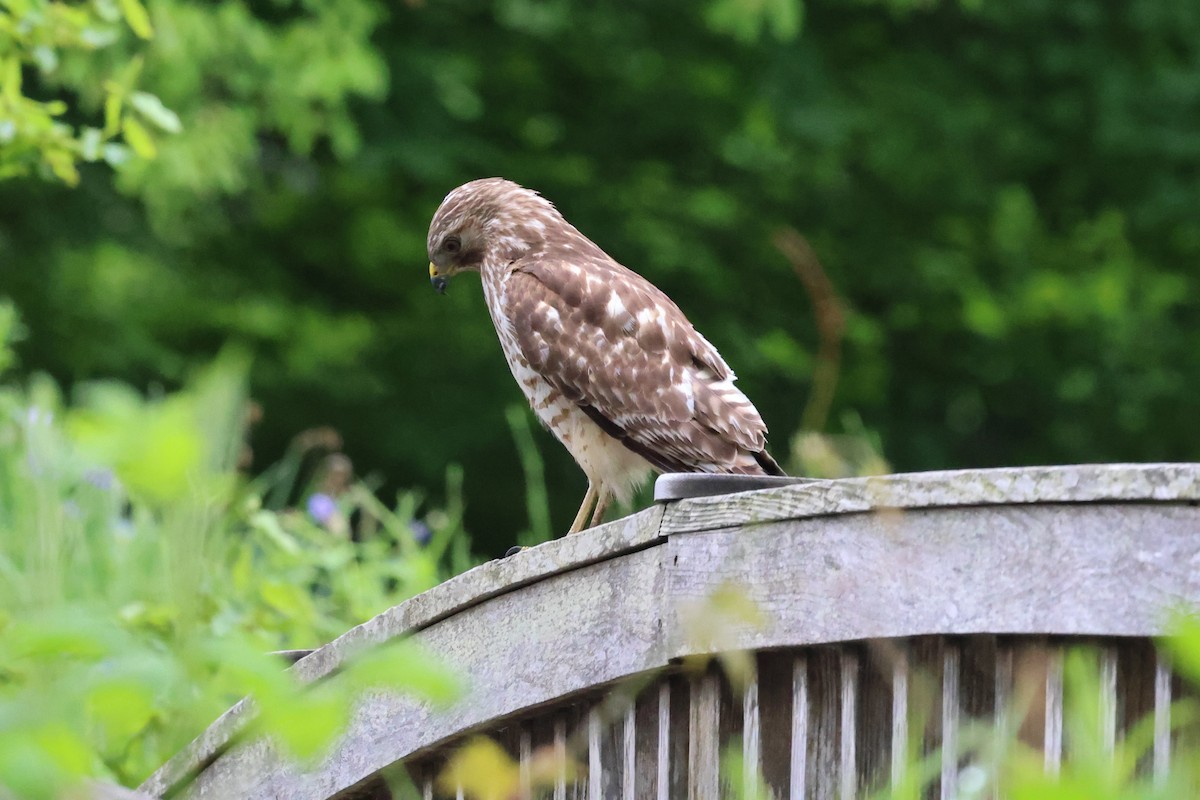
<point x="452" y="244"/>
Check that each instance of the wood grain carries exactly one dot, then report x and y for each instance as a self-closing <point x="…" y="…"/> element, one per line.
<point x="1085" y="483"/>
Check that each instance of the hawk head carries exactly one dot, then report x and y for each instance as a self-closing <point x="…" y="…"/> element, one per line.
<point x="488" y="221"/>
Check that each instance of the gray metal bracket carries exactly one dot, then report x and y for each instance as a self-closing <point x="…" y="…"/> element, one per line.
<point x="672" y="486"/>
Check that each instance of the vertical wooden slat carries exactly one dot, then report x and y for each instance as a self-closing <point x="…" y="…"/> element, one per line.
<point x="899" y="715"/>
<point x="427" y="789"/>
<point x="646" y="741"/>
<point x="951" y="681"/>
<point x="560" y="755"/>
<point x="1162" y="719"/>
<point x="525" y="756"/>
<point x="681" y="720"/>
<point x="775" y="675"/>
<point x="848" y="781"/>
<point x="1108" y="699"/>
<point x="823" y="773"/>
<point x="629" y="776"/>
<point x="1053" y="741"/>
<point x="751" y="739"/>
<point x="664" y="741"/>
<point x="799" y="757"/>
<point x="1002" y="707"/>
<point x="704" y="739"/>
<point x="458" y="793"/>
<point x="595" y="762"/>
<point x="1004" y="687"/>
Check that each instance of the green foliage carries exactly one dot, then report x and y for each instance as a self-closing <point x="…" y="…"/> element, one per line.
<point x="9" y="329"/>
<point x="999" y="194"/>
<point x="143" y="585"/>
<point x="54" y="38"/>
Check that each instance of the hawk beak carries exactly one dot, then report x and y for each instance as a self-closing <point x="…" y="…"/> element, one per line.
<point x="438" y="281"/>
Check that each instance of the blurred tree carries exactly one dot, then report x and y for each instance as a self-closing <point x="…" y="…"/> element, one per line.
<point x="1003" y="195"/>
<point x="64" y="42"/>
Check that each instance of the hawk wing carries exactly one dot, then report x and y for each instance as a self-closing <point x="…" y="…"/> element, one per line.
<point x="620" y="349"/>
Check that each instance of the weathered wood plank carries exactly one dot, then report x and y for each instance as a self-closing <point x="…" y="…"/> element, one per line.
<point x="704" y="744"/>
<point x="1057" y="569"/>
<point x="899" y="743"/>
<point x="823" y="777"/>
<point x="520" y="650"/>
<point x="647" y="722"/>
<point x="848" y="727"/>
<point x="951" y="659"/>
<point x="1162" y="720"/>
<point x="800" y="728"/>
<point x="1108" y="698"/>
<point x="525" y="757"/>
<point x="775" y="700"/>
<point x="629" y="753"/>
<point x="679" y="740"/>
<point x="1002" y="721"/>
<point x="595" y="756"/>
<point x="664" y="741"/>
<point x="1053" y="742"/>
<point x="751" y="739"/>
<point x="560" y="757"/>
<point x="1083" y="483"/>
<point x="875" y="715"/>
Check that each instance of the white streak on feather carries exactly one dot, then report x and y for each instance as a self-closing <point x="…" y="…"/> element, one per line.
<point x="615" y="307"/>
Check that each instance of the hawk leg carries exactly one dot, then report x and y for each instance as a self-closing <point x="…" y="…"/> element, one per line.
<point x="589" y="501"/>
<point x="604" y="498"/>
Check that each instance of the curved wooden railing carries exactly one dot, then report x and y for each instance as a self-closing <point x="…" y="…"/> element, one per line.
<point x="972" y="578"/>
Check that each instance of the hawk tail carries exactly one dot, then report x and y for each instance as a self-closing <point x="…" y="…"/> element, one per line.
<point x="769" y="465"/>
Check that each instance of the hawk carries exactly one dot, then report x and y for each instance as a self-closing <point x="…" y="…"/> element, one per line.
<point x="607" y="361"/>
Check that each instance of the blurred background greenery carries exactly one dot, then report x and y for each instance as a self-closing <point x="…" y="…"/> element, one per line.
<point x="1003" y="195"/>
<point x="926" y="234"/>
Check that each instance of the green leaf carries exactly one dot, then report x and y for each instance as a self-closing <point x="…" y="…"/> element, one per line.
<point x="112" y="109"/>
<point x="90" y="141"/>
<point x="62" y="164"/>
<point x="152" y="109"/>
<point x="307" y="722"/>
<point x="121" y="708"/>
<point x="139" y="138"/>
<point x="10" y="79"/>
<point x="138" y="19"/>
<point x="68" y="634"/>
<point x="481" y="770"/>
<point x="268" y="524"/>
<point x="116" y="154"/>
<point x="1184" y="644"/>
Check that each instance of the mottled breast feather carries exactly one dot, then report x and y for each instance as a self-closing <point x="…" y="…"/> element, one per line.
<point x="619" y="348"/>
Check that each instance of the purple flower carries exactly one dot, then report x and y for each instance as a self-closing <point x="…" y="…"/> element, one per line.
<point x="420" y="532"/>
<point x="321" y="507"/>
<point x="101" y="478"/>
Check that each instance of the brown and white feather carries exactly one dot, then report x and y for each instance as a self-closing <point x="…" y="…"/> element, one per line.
<point x="607" y="361"/>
